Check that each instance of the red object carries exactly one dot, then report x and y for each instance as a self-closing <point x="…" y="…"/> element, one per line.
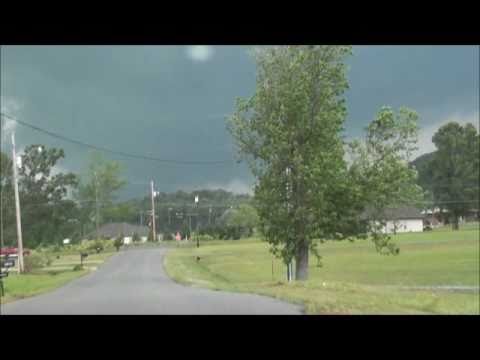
<point x="13" y="251"/>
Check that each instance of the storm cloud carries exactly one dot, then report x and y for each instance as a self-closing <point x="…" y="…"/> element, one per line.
<point x="170" y="102"/>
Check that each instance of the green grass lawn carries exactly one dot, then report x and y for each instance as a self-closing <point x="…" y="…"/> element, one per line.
<point x="48" y="278"/>
<point x="354" y="278"/>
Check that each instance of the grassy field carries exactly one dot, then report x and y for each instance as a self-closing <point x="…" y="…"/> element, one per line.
<point x="354" y="279"/>
<point x="46" y="279"/>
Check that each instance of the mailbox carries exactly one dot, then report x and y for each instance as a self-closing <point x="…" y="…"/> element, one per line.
<point x="8" y="263"/>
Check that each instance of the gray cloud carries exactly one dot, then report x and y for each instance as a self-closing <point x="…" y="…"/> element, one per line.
<point x="158" y="101"/>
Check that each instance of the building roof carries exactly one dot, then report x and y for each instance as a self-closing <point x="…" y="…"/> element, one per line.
<point x="398" y="213"/>
<point x="116" y="229"/>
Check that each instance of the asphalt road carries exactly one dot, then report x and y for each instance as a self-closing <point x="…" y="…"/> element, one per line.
<point x="134" y="282"/>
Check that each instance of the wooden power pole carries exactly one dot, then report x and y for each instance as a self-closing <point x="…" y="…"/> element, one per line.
<point x="97" y="219"/>
<point x="153" y="211"/>
<point x="17" y="207"/>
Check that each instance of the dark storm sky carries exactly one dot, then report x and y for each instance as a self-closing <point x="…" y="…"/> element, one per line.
<point x="170" y="101"/>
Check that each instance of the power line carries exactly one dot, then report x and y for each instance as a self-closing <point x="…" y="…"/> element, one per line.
<point x="121" y="153"/>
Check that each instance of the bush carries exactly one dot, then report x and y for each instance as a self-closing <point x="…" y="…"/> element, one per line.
<point x="168" y="236"/>
<point x="48" y="259"/>
<point x="96" y="246"/>
<point x="77" y="267"/>
<point x="33" y="262"/>
<point x="136" y="237"/>
<point x="205" y="237"/>
<point x="118" y="242"/>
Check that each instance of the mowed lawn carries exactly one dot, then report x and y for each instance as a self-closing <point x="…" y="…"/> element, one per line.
<point x="49" y="278"/>
<point x="353" y="279"/>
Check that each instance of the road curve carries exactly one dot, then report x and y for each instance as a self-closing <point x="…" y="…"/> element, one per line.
<point x="134" y="282"/>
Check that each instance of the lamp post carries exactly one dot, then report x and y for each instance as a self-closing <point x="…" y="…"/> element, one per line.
<point x="196" y="232"/>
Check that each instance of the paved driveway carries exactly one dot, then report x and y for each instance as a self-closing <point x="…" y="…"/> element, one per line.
<point x="134" y="282"/>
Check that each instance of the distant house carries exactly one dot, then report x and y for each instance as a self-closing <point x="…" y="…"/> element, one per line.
<point x="114" y="230"/>
<point x="403" y="219"/>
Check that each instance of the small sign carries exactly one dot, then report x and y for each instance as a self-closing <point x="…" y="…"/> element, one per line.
<point x="66" y="241"/>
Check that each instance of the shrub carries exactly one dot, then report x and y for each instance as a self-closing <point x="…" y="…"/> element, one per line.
<point x="33" y="262"/>
<point x="168" y="236"/>
<point x="118" y="242"/>
<point x="136" y="237"/>
<point x="205" y="237"/>
<point x="48" y="259"/>
<point x="77" y="267"/>
<point x="96" y="246"/>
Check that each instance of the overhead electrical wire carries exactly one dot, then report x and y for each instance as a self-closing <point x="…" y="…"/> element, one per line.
<point x="121" y="153"/>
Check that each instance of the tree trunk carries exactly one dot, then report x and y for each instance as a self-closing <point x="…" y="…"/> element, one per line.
<point x="301" y="262"/>
<point x="455" y="222"/>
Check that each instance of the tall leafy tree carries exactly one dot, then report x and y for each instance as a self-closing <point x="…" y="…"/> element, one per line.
<point x="44" y="196"/>
<point x="380" y="173"/>
<point x="455" y="169"/>
<point x="100" y="185"/>
<point x="289" y="131"/>
<point x="7" y="220"/>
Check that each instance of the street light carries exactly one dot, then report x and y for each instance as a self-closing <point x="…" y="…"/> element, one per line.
<point x="196" y="233"/>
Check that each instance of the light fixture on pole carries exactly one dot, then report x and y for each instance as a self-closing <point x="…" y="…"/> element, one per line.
<point x="196" y="233"/>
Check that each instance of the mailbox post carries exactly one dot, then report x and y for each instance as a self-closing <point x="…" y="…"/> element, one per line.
<point x="82" y="256"/>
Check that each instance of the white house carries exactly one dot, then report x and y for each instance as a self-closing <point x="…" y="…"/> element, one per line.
<point x="403" y="219"/>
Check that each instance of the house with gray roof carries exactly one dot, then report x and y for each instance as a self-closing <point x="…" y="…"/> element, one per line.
<point x="401" y="219"/>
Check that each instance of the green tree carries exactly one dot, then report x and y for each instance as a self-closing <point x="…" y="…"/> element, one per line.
<point x="46" y="209"/>
<point x="455" y="169"/>
<point x="7" y="202"/>
<point x="244" y="217"/>
<point x="289" y="131"/>
<point x="101" y="183"/>
<point x="380" y="175"/>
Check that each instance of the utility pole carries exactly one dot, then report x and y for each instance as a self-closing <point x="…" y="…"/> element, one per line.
<point x="17" y="207"/>
<point x="153" y="211"/>
<point x="96" y="204"/>
<point x="289" y="265"/>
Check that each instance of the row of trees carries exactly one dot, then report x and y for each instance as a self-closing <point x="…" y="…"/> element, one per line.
<point x="450" y="175"/>
<point x="55" y="205"/>
<point x="58" y="205"/>
<point x="177" y="211"/>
